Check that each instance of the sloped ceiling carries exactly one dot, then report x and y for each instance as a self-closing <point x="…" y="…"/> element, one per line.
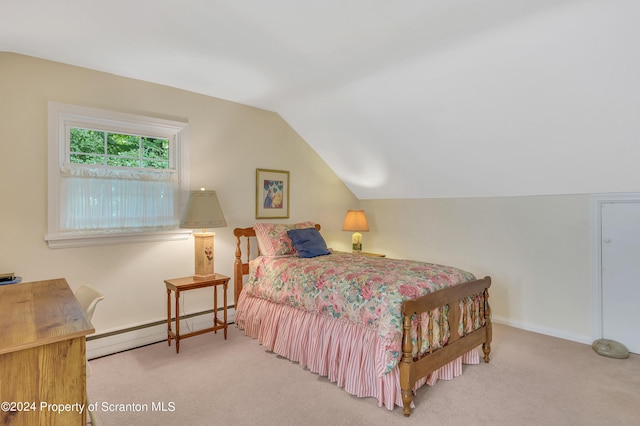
<point x="403" y="99"/>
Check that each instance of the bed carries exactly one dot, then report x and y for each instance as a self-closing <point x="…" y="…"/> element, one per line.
<point x="377" y="327"/>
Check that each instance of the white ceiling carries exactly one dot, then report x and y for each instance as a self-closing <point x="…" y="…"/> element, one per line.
<point x="403" y="99"/>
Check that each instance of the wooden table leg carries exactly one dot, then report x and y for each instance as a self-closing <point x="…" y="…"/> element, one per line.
<point x="169" y="317"/>
<point x="215" y="307"/>
<point x="177" y="321"/>
<point x="225" y="310"/>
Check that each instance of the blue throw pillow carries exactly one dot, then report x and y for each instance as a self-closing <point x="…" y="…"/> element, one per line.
<point x="308" y="242"/>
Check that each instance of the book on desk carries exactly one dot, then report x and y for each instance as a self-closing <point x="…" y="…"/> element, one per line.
<point x="9" y="278"/>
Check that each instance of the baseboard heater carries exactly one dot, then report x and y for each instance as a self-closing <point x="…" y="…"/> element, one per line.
<point x="127" y="338"/>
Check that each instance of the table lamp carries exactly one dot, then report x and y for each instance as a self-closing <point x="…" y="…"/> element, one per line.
<point x="356" y="222"/>
<point x="203" y="211"/>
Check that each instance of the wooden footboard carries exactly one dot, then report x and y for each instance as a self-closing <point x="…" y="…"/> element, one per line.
<point x="413" y="368"/>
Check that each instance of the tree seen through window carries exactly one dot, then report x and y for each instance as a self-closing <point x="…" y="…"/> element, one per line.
<point x="118" y="150"/>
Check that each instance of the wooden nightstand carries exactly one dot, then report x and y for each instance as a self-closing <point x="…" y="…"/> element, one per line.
<point x="178" y="285"/>
<point x="373" y="254"/>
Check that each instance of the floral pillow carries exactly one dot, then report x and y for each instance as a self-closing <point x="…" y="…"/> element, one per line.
<point x="273" y="239"/>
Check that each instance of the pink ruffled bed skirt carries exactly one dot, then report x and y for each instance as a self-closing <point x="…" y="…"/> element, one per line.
<point x="347" y="354"/>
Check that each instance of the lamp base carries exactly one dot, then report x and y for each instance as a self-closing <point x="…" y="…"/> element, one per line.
<point x="203" y="256"/>
<point x="356" y="242"/>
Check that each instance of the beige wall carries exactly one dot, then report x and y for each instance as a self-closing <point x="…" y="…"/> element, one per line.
<point x="536" y="249"/>
<point x="228" y="142"/>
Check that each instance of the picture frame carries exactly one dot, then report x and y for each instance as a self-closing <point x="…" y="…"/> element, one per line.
<point x="272" y="194"/>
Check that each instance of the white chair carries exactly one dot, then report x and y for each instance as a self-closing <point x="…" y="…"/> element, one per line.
<point x="89" y="298"/>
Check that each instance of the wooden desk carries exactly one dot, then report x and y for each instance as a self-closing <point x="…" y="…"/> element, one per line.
<point x="189" y="283"/>
<point x="42" y="354"/>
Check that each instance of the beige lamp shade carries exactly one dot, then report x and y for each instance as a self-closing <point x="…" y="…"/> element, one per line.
<point x="203" y="211"/>
<point x="355" y="221"/>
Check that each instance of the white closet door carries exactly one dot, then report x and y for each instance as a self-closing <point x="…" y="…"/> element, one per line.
<point x="621" y="273"/>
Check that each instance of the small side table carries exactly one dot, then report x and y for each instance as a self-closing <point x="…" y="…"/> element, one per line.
<point x="178" y="285"/>
<point x="373" y="254"/>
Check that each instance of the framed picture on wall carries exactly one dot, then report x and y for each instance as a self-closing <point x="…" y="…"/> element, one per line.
<point x="272" y="194"/>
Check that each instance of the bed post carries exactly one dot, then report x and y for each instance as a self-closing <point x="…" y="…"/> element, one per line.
<point x="407" y="370"/>
<point x="486" y="346"/>
<point x="237" y="274"/>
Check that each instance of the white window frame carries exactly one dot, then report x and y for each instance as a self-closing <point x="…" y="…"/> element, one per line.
<point x="63" y="115"/>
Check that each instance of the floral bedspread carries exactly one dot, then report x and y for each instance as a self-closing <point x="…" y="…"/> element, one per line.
<point x="361" y="289"/>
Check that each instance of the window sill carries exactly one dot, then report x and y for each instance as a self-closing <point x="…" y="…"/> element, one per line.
<point x="69" y="241"/>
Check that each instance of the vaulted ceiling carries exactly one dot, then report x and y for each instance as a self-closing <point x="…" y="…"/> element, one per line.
<point x="403" y="99"/>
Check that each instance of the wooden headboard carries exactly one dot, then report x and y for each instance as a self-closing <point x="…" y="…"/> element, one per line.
<point x="240" y="268"/>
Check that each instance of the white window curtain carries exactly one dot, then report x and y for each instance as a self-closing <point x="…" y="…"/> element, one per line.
<point x="103" y="200"/>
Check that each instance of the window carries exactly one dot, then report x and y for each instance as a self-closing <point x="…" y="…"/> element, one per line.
<point x="90" y="146"/>
<point x="114" y="177"/>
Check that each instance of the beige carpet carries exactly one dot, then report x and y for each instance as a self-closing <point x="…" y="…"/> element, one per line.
<point x="531" y="380"/>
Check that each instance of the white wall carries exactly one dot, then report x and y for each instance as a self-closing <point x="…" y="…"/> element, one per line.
<point x="228" y="142"/>
<point x="500" y="98"/>
<point x="536" y="249"/>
